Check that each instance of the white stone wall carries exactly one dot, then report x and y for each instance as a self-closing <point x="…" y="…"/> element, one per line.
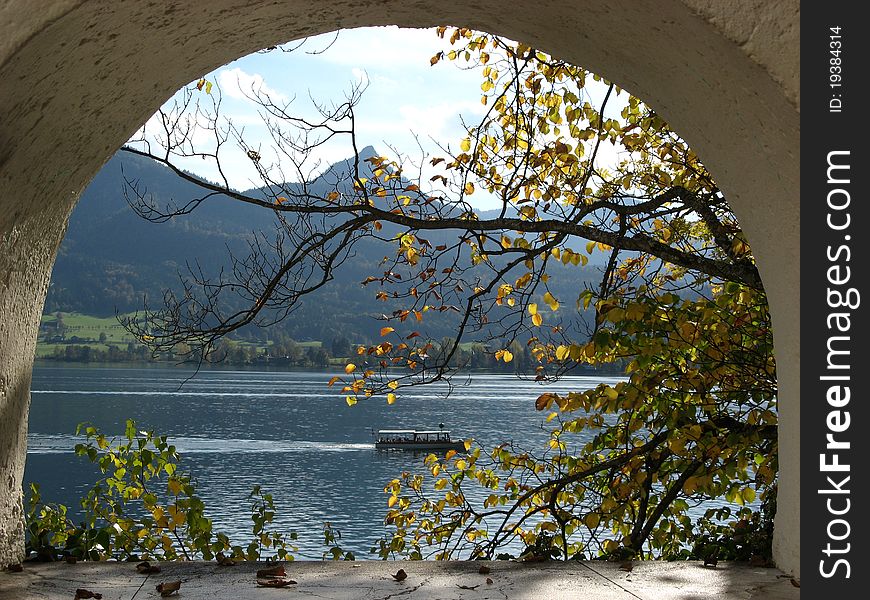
<point x="77" y="78"/>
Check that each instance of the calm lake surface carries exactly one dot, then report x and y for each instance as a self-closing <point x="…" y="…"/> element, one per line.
<point x="286" y="431"/>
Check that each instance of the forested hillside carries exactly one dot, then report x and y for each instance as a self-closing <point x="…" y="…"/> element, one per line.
<point x="111" y="260"/>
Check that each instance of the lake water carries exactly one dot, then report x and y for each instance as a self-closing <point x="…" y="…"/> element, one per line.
<point x="286" y="431"/>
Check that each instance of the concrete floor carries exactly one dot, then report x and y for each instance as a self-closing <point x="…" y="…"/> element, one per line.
<point x="370" y="580"/>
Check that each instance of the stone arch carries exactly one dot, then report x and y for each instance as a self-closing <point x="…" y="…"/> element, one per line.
<point x="79" y="77"/>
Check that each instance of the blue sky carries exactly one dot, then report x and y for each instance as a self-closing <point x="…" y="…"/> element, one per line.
<point x="404" y="92"/>
<point x="405" y="95"/>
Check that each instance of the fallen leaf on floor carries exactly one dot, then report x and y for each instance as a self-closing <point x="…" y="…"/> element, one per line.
<point x="82" y="593"/>
<point x="275" y="583"/>
<point x="271" y="572"/>
<point x="468" y="587"/>
<point x="15" y="568"/>
<point x="70" y="560"/>
<point x="532" y="557"/>
<point x="224" y="560"/>
<point x="400" y="575"/>
<point x="488" y="581"/>
<point x="484" y="570"/>
<point x="626" y="566"/>
<point x="168" y="588"/>
<point x="147" y="568"/>
<point x="795" y="582"/>
<point x="713" y="558"/>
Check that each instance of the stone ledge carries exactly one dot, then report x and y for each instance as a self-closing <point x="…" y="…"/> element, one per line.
<point x="372" y="580"/>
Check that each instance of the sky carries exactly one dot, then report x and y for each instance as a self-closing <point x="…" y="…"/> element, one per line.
<point x="404" y="94"/>
<point x="407" y="102"/>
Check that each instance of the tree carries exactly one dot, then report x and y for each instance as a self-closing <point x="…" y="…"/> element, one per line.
<point x="679" y="302"/>
<point x="340" y="346"/>
<point x="144" y="507"/>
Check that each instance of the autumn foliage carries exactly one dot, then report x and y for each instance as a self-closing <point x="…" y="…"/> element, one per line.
<point x="579" y="167"/>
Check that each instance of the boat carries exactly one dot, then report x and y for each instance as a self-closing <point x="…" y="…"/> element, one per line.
<point x="412" y="439"/>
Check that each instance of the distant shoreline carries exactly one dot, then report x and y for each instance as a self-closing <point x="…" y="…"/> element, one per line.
<point x="47" y="362"/>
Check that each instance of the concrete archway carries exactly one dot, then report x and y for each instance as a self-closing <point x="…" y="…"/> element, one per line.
<point x="79" y="77"/>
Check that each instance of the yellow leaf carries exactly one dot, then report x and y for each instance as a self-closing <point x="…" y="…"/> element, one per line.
<point x="537" y="319"/>
<point x="507" y="356"/>
<point x="677" y="445"/>
<point x="691" y="485"/>
<point x="333" y="380"/>
<point x="544" y="401"/>
<point x="349" y="368"/>
<point x="461" y="464"/>
<point x="533" y="309"/>
<point x="386" y="330"/>
<point x="469" y="188"/>
<point x="465" y="145"/>
<point x="174" y="486"/>
<point x="592" y="520"/>
<point x="590" y="246"/>
<point x="391" y="398"/>
<point x="551" y="301"/>
<point x="350" y="400"/>
<point x="528" y="212"/>
<point x="562" y="352"/>
<point x="176" y="515"/>
<point x="393" y="385"/>
<point x="392" y="501"/>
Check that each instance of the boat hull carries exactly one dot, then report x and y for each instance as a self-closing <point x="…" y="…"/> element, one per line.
<point x="421" y="446"/>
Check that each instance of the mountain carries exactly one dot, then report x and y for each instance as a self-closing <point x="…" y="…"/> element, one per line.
<point x="111" y="259"/>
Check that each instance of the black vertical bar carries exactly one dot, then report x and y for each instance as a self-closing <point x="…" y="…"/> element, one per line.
<point x="835" y="229"/>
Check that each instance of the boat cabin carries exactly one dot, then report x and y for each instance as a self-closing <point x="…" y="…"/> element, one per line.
<point x="412" y="439"/>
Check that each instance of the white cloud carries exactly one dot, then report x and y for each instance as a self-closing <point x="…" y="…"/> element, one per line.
<point x="386" y="47"/>
<point x="241" y="85"/>
<point x="360" y="76"/>
<point x="440" y="121"/>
